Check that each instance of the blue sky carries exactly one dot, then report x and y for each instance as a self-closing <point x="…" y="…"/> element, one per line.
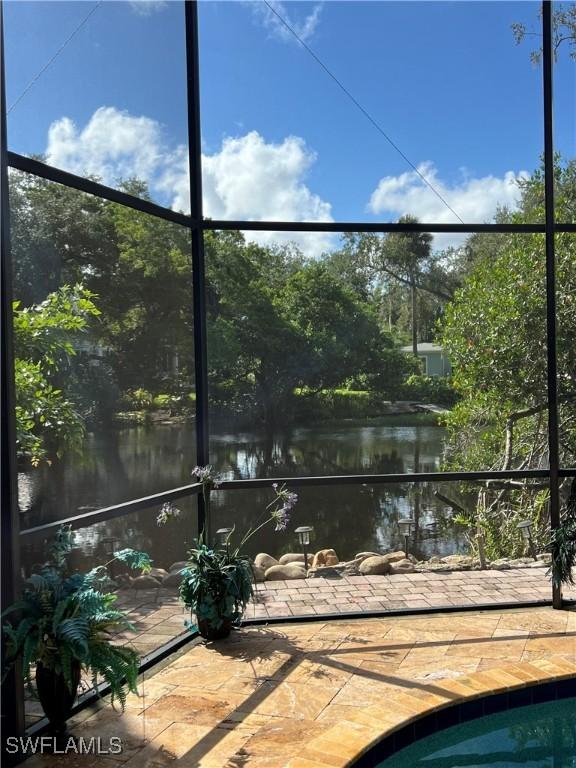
<point x="445" y="80"/>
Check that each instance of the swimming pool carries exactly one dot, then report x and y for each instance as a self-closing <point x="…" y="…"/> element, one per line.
<point x="534" y="736"/>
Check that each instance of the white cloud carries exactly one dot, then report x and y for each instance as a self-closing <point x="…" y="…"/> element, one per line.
<point x="113" y="145"/>
<point x="475" y="200"/>
<point x="304" y="26"/>
<point x="247" y="178"/>
<point x="147" y="7"/>
<point x="251" y="179"/>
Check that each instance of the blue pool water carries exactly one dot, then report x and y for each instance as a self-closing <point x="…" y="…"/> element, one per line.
<point x="536" y="736"/>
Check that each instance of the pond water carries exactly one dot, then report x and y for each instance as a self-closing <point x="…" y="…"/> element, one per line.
<point x="124" y="464"/>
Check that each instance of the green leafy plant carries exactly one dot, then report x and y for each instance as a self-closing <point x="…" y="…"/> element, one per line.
<point x="65" y="620"/>
<point x="564" y="549"/>
<point x="563" y="545"/>
<point x="216" y="586"/>
<point x="45" y="334"/>
<point x="140" y="398"/>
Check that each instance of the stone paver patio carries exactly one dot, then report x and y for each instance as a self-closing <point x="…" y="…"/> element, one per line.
<point x="158" y="615"/>
<point x="316" y="695"/>
<point x="406" y="591"/>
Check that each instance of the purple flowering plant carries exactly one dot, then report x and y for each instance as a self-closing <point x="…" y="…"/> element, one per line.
<point x="218" y="583"/>
<point x="278" y="511"/>
<point x="168" y="511"/>
<point x="207" y="476"/>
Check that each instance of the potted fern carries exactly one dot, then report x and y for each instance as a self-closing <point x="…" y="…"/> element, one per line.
<point x="217" y="583"/>
<point x="64" y="626"/>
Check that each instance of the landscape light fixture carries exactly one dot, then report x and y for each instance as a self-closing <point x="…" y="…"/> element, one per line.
<point x="525" y="528"/>
<point x="304" y="532"/>
<point x="405" y="525"/>
<point x="109" y="544"/>
<point x="223" y="536"/>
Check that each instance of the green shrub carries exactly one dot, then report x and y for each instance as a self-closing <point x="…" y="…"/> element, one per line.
<point x="332" y="404"/>
<point x="430" y="389"/>
<point x="139" y="399"/>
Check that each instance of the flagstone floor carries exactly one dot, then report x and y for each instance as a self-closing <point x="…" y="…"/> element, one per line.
<point x="317" y="694"/>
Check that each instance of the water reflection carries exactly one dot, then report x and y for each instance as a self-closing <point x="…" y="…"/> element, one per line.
<point x="538" y="736"/>
<point x="137" y="461"/>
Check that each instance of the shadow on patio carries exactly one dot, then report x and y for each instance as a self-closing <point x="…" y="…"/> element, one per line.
<point x="259" y="697"/>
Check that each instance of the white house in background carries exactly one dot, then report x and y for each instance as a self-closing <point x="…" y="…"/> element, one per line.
<point x="434" y="360"/>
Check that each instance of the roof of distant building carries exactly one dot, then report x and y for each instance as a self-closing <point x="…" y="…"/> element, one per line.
<point x="424" y="346"/>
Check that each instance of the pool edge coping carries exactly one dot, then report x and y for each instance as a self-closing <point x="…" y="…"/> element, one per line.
<point x="344" y="744"/>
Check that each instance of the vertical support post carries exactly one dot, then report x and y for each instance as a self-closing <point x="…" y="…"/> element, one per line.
<point x="12" y="721"/>
<point x="197" y="235"/>
<point x="548" y="75"/>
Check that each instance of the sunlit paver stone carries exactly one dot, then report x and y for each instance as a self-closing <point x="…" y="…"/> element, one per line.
<point x="317" y="694"/>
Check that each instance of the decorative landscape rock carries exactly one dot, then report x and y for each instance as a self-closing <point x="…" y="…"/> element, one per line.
<point x="375" y="566"/>
<point x="265" y="561"/>
<point x="172" y="581"/>
<point x="144" y="582"/>
<point x="363" y="555"/>
<point x="285" y="572"/>
<point x="394" y="557"/>
<point x="293" y="557"/>
<point x="402" y="566"/>
<point x="177" y="567"/>
<point x="158" y="573"/>
<point x="325" y="557"/>
<point x="259" y="574"/>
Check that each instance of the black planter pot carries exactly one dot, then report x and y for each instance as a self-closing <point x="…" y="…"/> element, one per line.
<point x="56" y="698"/>
<point x="210" y="633"/>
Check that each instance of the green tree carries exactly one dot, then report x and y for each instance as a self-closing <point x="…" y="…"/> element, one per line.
<point x="413" y="281"/>
<point x="138" y="265"/>
<point x="47" y="420"/>
<point x="564" y="31"/>
<point x="495" y="334"/>
<point x="278" y="323"/>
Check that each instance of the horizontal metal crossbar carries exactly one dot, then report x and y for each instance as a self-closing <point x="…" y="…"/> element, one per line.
<point x="147" y="502"/>
<point x="418" y="477"/>
<point x="117" y="510"/>
<point x="368" y="226"/>
<point x="91" y="187"/>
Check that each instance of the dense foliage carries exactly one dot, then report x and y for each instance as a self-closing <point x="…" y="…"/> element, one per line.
<point x="216" y="586"/>
<point x="47" y="418"/>
<point x="495" y="335"/>
<point x="113" y="287"/>
<point x="67" y="618"/>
